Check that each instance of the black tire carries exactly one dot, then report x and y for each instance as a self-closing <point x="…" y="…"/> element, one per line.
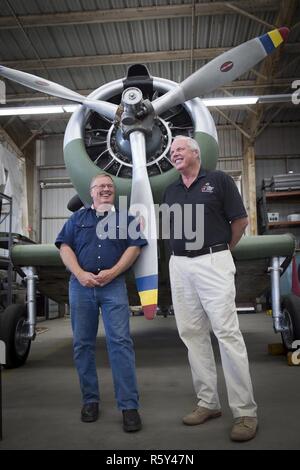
<point x="291" y="310"/>
<point x="11" y="325"/>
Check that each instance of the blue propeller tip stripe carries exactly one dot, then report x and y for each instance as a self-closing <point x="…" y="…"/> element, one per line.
<point x="267" y="43"/>
<point x="147" y="282"/>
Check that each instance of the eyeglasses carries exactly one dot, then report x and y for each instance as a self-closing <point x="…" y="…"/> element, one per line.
<point x="103" y="186"/>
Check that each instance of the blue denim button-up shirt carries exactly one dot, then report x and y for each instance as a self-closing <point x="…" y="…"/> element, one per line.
<point x="99" y="242"/>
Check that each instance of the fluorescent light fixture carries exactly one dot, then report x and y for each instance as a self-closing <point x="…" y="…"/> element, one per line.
<point x="209" y="102"/>
<point x="230" y="101"/>
<point x="51" y="109"/>
<point x="59" y="109"/>
<point x="275" y="98"/>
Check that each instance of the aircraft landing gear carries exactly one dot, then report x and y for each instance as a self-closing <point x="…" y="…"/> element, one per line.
<point x="13" y="331"/>
<point x="291" y="311"/>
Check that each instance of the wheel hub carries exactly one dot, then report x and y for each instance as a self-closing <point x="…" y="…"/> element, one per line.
<point x="21" y="337"/>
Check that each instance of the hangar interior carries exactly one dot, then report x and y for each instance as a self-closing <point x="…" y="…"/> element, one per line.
<point x="82" y="45"/>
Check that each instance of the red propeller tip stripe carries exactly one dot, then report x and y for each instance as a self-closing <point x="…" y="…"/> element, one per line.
<point x="149" y="311"/>
<point x="284" y="31"/>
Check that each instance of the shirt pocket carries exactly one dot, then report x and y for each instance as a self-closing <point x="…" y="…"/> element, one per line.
<point x="84" y="234"/>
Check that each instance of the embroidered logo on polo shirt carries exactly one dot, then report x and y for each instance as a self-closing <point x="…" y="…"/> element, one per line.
<point x="207" y="188"/>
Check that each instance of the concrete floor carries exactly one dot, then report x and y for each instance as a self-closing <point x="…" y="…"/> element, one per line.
<point x="41" y="401"/>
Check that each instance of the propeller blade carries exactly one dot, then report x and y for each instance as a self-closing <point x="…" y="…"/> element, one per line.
<point x="104" y="108"/>
<point x="146" y="266"/>
<point x="54" y="89"/>
<point x="223" y="69"/>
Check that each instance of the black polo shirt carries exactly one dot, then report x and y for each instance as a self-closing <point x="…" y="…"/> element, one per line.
<point x="222" y="204"/>
<point x="94" y="249"/>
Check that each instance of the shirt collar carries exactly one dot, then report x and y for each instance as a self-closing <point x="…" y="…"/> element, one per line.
<point x="105" y="213"/>
<point x="201" y="174"/>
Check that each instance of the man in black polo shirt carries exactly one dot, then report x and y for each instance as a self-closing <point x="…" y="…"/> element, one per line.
<point x="203" y="289"/>
<point x="98" y="258"/>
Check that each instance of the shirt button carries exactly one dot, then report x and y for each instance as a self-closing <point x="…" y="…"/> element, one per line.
<point x="99" y="246"/>
<point x="99" y="257"/>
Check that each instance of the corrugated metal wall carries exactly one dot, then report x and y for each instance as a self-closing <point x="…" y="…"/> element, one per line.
<point x="277" y="152"/>
<point x="230" y="144"/>
<point x="54" y="187"/>
<point x="54" y="200"/>
<point x="50" y="151"/>
<point x="279" y="141"/>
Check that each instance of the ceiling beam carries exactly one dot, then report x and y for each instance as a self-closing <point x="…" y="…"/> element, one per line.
<point x="5" y="137"/>
<point x="16" y="132"/>
<point x="115" y="59"/>
<point x="135" y="14"/>
<point x="34" y="134"/>
<point x="127" y="58"/>
<point x="228" y="119"/>
<point x="243" y="12"/>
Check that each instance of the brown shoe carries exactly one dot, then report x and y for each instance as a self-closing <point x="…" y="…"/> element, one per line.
<point x="244" y="428"/>
<point x="200" y="415"/>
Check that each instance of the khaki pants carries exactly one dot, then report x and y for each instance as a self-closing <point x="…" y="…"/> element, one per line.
<point x="203" y="294"/>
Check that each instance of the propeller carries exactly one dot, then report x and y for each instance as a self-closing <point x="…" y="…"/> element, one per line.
<point x="54" y="89"/>
<point x="218" y="72"/>
<point x="222" y="70"/>
<point x="136" y="123"/>
<point x="141" y="201"/>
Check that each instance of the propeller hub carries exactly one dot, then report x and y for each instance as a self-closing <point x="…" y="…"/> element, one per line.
<point x="108" y="148"/>
<point x="157" y="144"/>
<point x="131" y="100"/>
<point x="132" y="97"/>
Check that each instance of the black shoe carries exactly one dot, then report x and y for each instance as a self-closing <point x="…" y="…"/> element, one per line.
<point x="90" y="412"/>
<point x="131" y="420"/>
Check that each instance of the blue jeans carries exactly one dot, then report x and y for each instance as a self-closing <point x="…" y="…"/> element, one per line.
<point x="113" y="300"/>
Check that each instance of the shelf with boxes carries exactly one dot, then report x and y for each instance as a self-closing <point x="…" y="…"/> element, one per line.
<point x="283" y="223"/>
<point x="279" y="206"/>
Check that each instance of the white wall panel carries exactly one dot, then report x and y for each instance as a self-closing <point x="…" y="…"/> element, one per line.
<point x="14" y="185"/>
